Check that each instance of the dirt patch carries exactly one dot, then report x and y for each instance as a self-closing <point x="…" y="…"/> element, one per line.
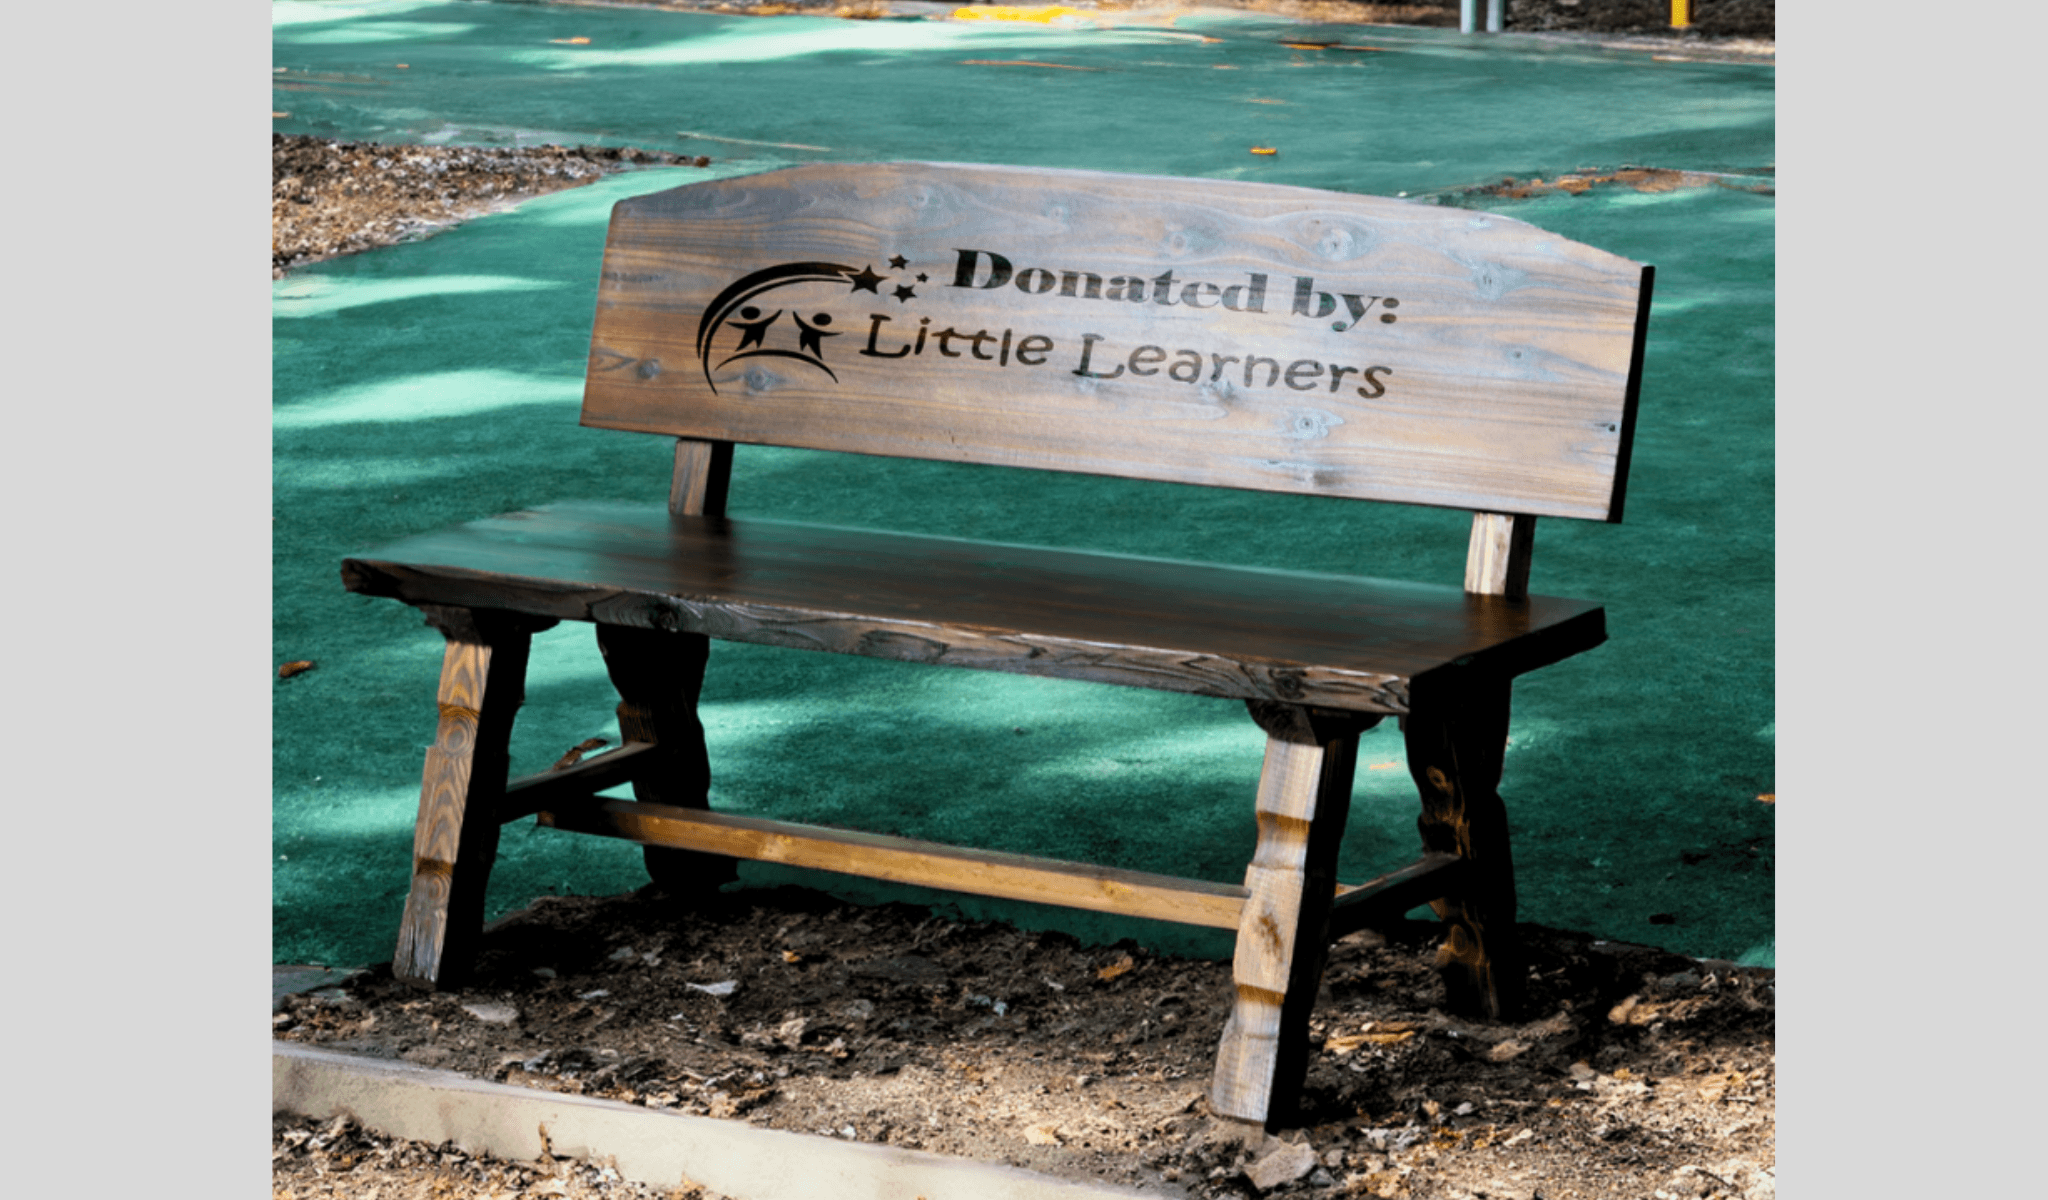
<point x="329" y="198"/>
<point x="1639" y="179"/>
<point x="1637" y="1071"/>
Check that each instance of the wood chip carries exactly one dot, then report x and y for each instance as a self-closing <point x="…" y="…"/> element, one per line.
<point x="294" y="668"/>
<point x="1285" y="1164"/>
<point x="1375" y="1033"/>
<point x="577" y="751"/>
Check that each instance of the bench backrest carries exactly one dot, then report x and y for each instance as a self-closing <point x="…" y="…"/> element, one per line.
<point x="1202" y="331"/>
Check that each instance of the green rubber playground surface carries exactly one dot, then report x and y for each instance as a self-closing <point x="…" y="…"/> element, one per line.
<point x="439" y="381"/>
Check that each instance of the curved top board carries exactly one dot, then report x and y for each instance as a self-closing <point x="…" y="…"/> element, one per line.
<point x="1203" y="331"/>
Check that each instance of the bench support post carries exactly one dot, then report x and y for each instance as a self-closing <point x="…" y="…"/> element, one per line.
<point x="1456" y="748"/>
<point x="483" y="680"/>
<point x="659" y="675"/>
<point x="1304" y="798"/>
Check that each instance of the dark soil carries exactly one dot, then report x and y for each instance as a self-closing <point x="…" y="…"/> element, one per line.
<point x="1636" y="1071"/>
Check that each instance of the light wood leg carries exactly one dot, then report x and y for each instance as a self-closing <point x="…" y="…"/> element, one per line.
<point x="483" y="675"/>
<point x="659" y="675"/>
<point x="1304" y="797"/>
<point x="1456" y="748"/>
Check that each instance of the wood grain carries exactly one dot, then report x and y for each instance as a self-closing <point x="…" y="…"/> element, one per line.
<point x="903" y="860"/>
<point x="1392" y="895"/>
<point x="1209" y="630"/>
<point x="455" y="838"/>
<point x="530" y="794"/>
<point x="702" y="476"/>
<point x="1282" y="939"/>
<point x="1457" y="743"/>
<point x="659" y="674"/>
<point x="1498" y="556"/>
<point x="771" y="309"/>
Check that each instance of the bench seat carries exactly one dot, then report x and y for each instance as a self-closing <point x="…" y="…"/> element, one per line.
<point x="1235" y="632"/>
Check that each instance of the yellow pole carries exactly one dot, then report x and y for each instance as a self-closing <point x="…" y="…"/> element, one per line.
<point x="1681" y="14"/>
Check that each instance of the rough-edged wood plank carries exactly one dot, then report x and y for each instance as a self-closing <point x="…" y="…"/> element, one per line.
<point x="1497" y="558"/>
<point x="455" y="838"/>
<point x="904" y="860"/>
<point x="1304" y="797"/>
<point x="1216" y="332"/>
<point x="1211" y="630"/>
<point x="529" y="794"/>
<point x="659" y="675"/>
<point x="1388" y="897"/>
<point x="1457" y="743"/>
<point x="702" y="477"/>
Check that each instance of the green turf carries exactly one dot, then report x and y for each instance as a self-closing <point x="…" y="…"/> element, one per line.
<point x="437" y="382"/>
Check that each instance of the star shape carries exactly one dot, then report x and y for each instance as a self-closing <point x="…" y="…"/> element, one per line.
<point x="866" y="279"/>
<point x="905" y="292"/>
<point x="899" y="262"/>
<point x="921" y="277"/>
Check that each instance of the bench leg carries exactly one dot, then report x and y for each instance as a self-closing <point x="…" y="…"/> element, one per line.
<point x="658" y="675"/>
<point x="1304" y="798"/>
<point x="483" y="677"/>
<point x="1456" y="748"/>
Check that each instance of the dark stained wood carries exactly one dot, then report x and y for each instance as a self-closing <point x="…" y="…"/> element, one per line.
<point x="1200" y="628"/>
<point x="1307" y="723"/>
<point x="772" y="309"/>
<point x="1457" y="743"/>
<point x="455" y="839"/>
<point x="530" y="794"/>
<point x="1635" y="387"/>
<point x="702" y="476"/>
<point x="1393" y="894"/>
<point x="1209" y="332"/>
<point x="1282" y="939"/>
<point x="904" y="860"/>
<point x="659" y="674"/>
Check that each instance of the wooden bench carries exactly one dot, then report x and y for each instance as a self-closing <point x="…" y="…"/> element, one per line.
<point x="1229" y="334"/>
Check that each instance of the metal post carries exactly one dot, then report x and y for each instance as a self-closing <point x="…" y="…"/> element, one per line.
<point x="1468" y="15"/>
<point x="1681" y="14"/>
<point x="1496" y="8"/>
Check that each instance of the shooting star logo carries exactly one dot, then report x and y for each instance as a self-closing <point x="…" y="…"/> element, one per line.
<point x="734" y="307"/>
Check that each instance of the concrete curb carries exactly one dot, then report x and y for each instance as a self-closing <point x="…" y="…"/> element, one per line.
<point x="399" y="1099"/>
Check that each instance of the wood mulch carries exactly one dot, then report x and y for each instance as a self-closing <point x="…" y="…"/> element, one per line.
<point x="1633" y="1072"/>
<point x="329" y="197"/>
